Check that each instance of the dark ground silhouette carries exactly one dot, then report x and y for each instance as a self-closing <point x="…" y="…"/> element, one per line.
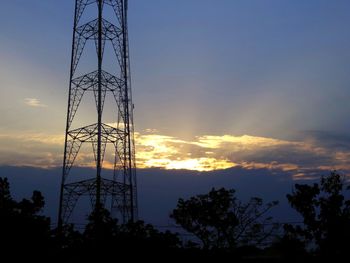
<point x="225" y="227"/>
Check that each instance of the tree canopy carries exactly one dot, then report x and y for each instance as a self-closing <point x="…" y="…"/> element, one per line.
<point x="326" y="215"/>
<point x="220" y="220"/>
<point x="22" y="227"/>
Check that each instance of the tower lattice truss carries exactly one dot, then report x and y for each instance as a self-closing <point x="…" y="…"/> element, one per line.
<point x="113" y="188"/>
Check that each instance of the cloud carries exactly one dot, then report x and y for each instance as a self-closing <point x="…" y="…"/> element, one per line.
<point x="33" y="102"/>
<point x="305" y="157"/>
<point x="308" y="156"/>
<point x="148" y="130"/>
<point x="31" y="149"/>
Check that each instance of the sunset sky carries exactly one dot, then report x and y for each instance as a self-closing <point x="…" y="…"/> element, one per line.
<point x="216" y="83"/>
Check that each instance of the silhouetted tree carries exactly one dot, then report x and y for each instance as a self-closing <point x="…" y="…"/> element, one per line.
<point x="25" y="233"/>
<point x="103" y="234"/>
<point x="289" y="248"/>
<point x="101" y="226"/>
<point x="326" y="215"/>
<point x="220" y="220"/>
<point x="146" y="237"/>
<point x="22" y="227"/>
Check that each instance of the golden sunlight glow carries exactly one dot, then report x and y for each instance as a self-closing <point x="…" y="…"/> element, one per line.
<point x="170" y="153"/>
<point x="200" y="164"/>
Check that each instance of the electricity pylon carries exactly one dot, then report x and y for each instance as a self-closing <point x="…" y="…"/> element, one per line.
<point x="116" y="191"/>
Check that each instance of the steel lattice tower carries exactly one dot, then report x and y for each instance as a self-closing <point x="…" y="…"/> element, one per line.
<point x="116" y="192"/>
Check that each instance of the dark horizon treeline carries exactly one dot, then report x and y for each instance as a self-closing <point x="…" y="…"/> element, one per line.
<point x="224" y="227"/>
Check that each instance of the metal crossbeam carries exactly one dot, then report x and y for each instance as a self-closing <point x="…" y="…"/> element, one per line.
<point x="118" y="189"/>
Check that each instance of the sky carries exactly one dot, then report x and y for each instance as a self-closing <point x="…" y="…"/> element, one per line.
<point x="216" y="84"/>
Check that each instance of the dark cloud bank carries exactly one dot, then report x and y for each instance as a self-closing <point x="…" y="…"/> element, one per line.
<point x="159" y="190"/>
